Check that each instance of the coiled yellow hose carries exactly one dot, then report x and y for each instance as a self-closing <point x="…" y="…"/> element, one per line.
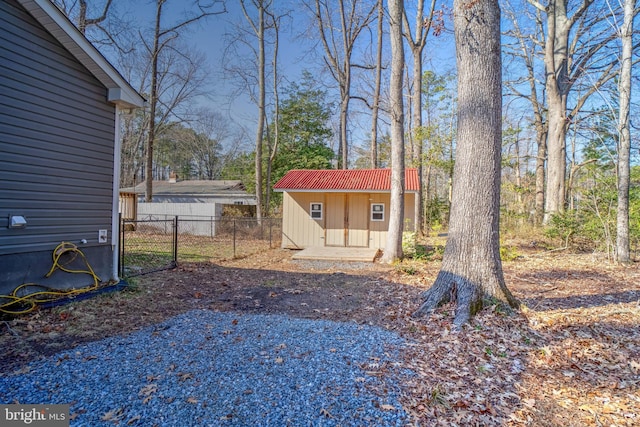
<point x="27" y="302"/>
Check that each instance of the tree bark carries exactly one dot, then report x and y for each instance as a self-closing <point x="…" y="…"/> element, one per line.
<point x="556" y="57"/>
<point x="622" y="222"/>
<point x="471" y="269"/>
<point x="393" y="246"/>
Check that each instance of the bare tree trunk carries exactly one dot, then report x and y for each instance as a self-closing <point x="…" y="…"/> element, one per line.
<point x="276" y="114"/>
<point x="417" y="42"/>
<point x="161" y="38"/>
<point x="84" y="22"/>
<point x="556" y="48"/>
<point x="529" y="57"/>
<point x="393" y="246"/>
<point x="344" y="119"/>
<point x="622" y="238"/>
<point x="559" y="64"/>
<point x="153" y="101"/>
<point x="541" y="158"/>
<point x="261" y="109"/>
<point x="259" y="30"/>
<point x="376" y="95"/>
<point x="471" y="266"/>
<point x="339" y="60"/>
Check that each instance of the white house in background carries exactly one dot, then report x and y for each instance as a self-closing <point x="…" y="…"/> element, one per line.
<point x="201" y="201"/>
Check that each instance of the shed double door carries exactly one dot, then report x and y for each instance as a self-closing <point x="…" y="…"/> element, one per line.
<point x="347" y="221"/>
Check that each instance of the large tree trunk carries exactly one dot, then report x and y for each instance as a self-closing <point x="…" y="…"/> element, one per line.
<point x="557" y="86"/>
<point x="622" y="239"/>
<point x="471" y="266"/>
<point x="393" y="246"/>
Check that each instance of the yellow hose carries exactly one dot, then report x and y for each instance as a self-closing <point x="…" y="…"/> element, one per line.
<point x="32" y="300"/>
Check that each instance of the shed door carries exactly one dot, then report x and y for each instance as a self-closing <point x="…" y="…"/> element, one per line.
<point x="335" y="223"/>
<point x="358" y="220"/>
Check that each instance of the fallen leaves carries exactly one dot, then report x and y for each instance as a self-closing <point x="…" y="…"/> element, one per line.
<point x="571" y="357"/>
<point x="147" y="391"/>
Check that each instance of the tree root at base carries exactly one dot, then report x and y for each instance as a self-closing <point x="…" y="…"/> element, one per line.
<point x="468" y="299"/>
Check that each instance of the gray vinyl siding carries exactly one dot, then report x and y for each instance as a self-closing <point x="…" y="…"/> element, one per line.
<point x="56" y="144"/>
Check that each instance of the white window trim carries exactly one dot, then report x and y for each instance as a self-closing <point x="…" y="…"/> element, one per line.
<point x="372" y="212"/>
<point x="311" y="211"/>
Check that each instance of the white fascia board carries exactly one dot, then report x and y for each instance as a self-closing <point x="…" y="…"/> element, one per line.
<point x="50" y="17"/>
<point x="125" y="99"/>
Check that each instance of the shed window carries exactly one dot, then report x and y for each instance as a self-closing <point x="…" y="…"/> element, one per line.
<point x="316" y="210"/>
<point x="377" y="212"/>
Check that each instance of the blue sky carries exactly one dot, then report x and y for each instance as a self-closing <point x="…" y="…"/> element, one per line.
<point x="211" y="35"/>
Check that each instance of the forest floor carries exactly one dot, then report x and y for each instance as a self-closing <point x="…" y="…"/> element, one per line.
<point x="570" y="357"/>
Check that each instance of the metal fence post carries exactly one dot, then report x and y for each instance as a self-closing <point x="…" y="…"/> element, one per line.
<point x="175" y="240"/>
<point x="121" y="246"/>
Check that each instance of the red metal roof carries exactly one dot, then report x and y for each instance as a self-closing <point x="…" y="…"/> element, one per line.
<point x="344" y="180"/>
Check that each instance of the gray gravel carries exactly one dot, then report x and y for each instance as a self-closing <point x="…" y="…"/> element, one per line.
<point x="204" y="368"/>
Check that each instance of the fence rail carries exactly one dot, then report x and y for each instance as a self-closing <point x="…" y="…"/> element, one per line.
<point x="158" y="243"/>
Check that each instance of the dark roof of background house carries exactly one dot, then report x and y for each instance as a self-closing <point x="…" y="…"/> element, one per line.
<point x="194" y="187"/>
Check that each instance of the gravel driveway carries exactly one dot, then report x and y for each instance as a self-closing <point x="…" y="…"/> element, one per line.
<point x="205" y="368"/>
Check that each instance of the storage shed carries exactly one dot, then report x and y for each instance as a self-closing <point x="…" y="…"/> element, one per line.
<point x="59" y="146"/>
<point x="341" y="208"/>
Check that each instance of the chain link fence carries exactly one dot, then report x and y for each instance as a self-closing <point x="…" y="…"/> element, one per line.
<point x="161" y="242"/>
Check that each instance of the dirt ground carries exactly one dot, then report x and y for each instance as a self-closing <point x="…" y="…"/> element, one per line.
<point x="571" y="357"/>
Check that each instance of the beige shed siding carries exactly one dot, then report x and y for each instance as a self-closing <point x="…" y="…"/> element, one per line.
<point x="298" y="229"/>
<point x="334" y="223"/>
<point x="409" y="212"/>
<point x="378" y="233"/>
<point x="358" y="220"/>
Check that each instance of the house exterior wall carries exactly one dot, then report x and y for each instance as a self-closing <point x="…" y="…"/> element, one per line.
<point x="57" y="135"/>
<point x="200" y="218"/>
<point x="299" y="230"/>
